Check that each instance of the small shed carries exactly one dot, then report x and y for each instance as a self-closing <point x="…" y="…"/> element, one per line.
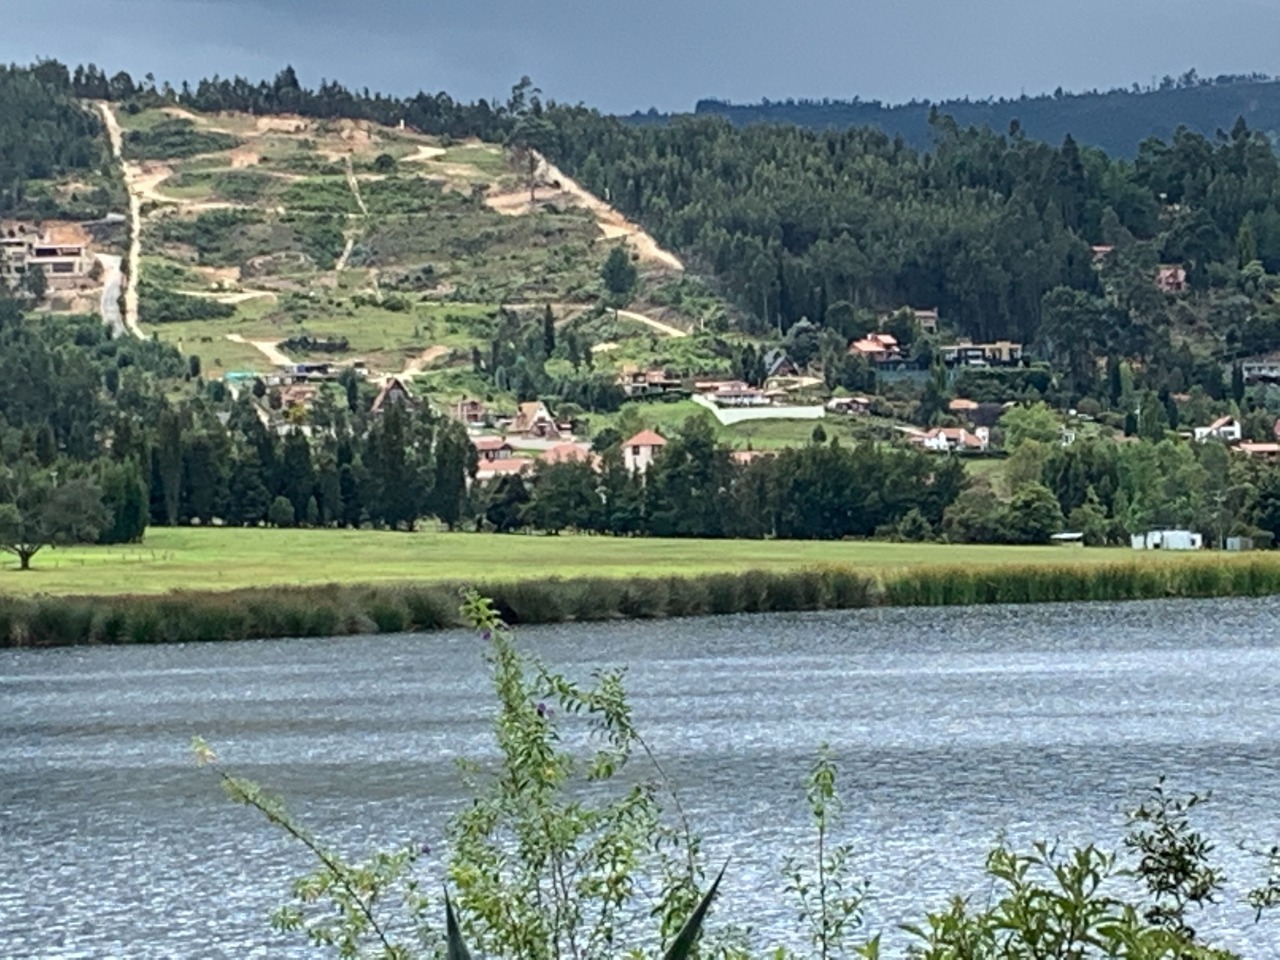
<point x="1068" y="539"/>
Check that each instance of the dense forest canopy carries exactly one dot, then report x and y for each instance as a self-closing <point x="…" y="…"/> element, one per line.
<point x="44" y="132"/>
<point x="1116" y="121"/>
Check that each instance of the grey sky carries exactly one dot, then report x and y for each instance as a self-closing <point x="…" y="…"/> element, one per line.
<point x="621" y="56"/>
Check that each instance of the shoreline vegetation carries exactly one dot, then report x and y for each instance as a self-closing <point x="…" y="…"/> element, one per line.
<point x="350" y="609"/>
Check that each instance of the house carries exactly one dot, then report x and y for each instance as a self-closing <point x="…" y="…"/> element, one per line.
<point x="999" y="353"/>
<point x="1259" y="451"/>
<point x="393" y="392"/>
<point x="569" y="453"/>
<point x="1263" y="369"/>
<point x="1171" y="279"/>
<point x="962" y="407"/>
<point x="647" y="383"/>
<point x="927" y="321"/>
<point x="850" y="406"/>
<point x="778" y="364"/>
<point x="492" y="469"/>
<point x="877" y="348"/>
<point x="952" y="440"/>
<point x="1226" y="429"/>
<point x="533" y="419"/>
<point x="732" y="393"/>
<point x="471" y="412"/>
<point x="1100" y="252"/>
<point x="491" y="449"/>
<point x="745" y="457"/>
<point x="59" y="250"/>
<point x="639" y="452"/>
<point x="298" y="395"/>
<point x="1167" y="540"/>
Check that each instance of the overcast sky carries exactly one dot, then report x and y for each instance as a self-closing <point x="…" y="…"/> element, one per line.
<point x="620" y="56"/>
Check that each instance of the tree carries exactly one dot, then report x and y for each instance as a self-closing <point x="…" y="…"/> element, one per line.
<point x="1033" y="515"/>
<point x="530" y="138"/>
<point x="548" y="332"/>
<point x="36" y="511"/>
<point x="281" y="513"/>
<point x="384" y="163"/>
<point x="35" y="284"/>
<point x="620" y="277"/>
<point x="507" y="501"/>
<point x="564" y="495"/>
<point x="1036" y="422"/>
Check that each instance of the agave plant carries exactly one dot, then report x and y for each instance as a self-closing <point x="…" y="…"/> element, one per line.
<point x="681" y="947"/>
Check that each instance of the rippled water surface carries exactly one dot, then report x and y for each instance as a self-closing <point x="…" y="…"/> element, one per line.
<point x="952" y="726"/>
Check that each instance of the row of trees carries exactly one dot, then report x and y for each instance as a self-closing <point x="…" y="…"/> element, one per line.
<point x="695" y="488"/>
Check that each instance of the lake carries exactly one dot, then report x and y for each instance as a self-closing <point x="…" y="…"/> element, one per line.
<point x="952" y="726"/>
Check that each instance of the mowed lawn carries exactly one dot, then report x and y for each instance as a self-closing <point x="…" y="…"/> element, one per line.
<point x="225" y="559"/>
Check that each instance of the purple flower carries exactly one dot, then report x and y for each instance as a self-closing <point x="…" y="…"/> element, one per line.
<point x="486" y="635"/>
<point x="425" y="850"/>
<point x="543" y="710"/>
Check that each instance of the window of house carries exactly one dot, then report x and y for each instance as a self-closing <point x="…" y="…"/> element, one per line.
<point x="635" y="451"/>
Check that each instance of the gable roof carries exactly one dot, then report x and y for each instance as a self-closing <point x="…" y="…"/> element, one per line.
<point x="391" y="388"/>
<point x="646" y="438"/>
<point x="490" y="443"/>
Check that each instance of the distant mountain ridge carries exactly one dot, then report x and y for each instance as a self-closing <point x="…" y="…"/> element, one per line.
<point x="1117" y="121"/>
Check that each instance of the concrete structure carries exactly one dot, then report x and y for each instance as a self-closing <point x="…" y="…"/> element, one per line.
<point x="1225" y="429"/>
<point x="647" y="383"/>
<point x="1264" y="369"/>
<point x="639" y="452"/>
<point x="1167" y="540"/>
<point x="59" y="251"/>
<point x="998" y="353"/>
<point x="741" y="414"/>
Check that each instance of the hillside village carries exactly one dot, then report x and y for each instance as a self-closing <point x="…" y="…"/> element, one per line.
<point x="303" y="265"/>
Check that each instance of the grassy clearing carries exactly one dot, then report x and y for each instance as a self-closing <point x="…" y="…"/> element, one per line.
<point x="226" y="559"/>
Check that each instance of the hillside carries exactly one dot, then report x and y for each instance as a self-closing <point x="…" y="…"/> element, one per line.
<point x="1116" y="121"/>
<point x="276" y="239"/>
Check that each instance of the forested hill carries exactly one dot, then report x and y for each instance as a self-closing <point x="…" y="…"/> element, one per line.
<point x="1116" y="121"/>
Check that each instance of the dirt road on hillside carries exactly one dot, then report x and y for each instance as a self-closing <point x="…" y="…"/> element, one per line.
<point x="116" y="136"/>
<point x="268" y="348"/>
<point x="612" y="224"/>
<point x="664" y="328"/>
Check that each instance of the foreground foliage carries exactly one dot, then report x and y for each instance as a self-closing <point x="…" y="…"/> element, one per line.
<point x="575" y="845"/>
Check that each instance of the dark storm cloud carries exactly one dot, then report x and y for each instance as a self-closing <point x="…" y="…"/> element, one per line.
<point x="667" y="53"/>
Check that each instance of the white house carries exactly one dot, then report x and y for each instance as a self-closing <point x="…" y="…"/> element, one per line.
<point x="639" y="452"/>
<point x="949" y="439"/>
<point x="1226" y="429"/>
<point x="1167" y="540"/>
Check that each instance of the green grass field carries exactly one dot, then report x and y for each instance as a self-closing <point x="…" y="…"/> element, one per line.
<point x="225" y="559"/>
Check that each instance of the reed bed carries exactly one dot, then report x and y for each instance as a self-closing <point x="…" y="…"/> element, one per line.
<point x="340" y="610"/>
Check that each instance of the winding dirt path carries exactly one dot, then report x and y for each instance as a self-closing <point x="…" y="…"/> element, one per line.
<point x="131" y="174"/>
<point x="664" y="328"/>
<point x="612" y="224"/>
<point x="423" y="360"/>
<point x="268" y="348"/>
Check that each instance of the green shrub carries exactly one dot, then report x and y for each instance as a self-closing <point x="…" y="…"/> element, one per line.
<point x="173" y="140"/>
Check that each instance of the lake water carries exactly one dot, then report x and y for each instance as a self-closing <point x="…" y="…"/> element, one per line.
<point x="952" y="726"/>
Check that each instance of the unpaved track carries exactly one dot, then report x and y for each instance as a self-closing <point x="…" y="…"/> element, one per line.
<point x="268" y="348"/>
<point x="663" y="328"/>
<point x="612" y="224"/>
<point x="131" y="174"/>
<point x="423" y="360"/>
